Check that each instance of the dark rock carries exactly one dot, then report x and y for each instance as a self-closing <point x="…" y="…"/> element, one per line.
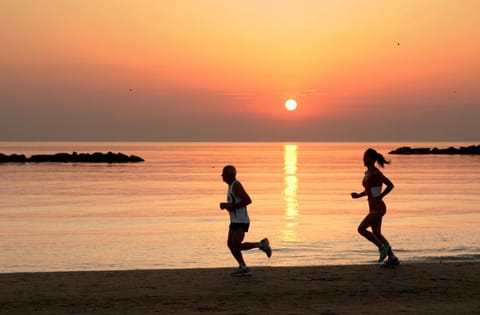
<point x="134" y="158"/>
<point x="422" y="151"/>
<point x="16" y="158"/>
<point x="75" y="157"/>
<point x="470" y="150"/>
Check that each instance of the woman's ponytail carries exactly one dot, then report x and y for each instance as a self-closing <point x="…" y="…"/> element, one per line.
<point x="381" y="160"/>
<point x="377" y="157"/>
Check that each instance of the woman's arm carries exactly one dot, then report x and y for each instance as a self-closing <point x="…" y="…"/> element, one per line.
<point x="358" y="195"/>
<point x="389" y="186"/>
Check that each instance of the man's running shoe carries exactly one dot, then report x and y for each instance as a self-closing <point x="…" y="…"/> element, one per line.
<point x="391" y="262"/>
<point x="264" y="246"/>
<point x="383" y="252"/>
<point x="242" y="271"/>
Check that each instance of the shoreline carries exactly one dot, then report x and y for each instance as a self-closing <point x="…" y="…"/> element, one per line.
<point x="426" y="288"/>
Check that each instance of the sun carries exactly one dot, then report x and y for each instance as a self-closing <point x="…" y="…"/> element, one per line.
<point x="291" y="104"/>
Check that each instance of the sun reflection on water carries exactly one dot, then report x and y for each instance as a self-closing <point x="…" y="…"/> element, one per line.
<point x="290" y="192"/>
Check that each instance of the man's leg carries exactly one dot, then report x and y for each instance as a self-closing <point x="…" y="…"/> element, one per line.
<point x="247" y="246"/>
<point x="235" y="239"/>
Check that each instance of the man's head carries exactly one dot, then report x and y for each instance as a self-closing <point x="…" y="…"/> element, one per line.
<point x="229" y="173"/>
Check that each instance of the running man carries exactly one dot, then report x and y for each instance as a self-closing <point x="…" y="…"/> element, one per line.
<point x="372" y="182"/>
<point x="236" y="205"/>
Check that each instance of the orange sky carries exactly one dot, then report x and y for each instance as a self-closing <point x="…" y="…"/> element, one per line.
<point x="222" y="70"/>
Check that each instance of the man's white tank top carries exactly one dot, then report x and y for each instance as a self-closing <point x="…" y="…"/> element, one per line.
<point x="238" y="215"/>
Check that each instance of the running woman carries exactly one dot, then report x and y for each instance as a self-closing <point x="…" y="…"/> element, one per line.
<point x="372" y="182"/>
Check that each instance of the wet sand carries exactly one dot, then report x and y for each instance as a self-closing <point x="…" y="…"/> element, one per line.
<point x="437" y="288"/>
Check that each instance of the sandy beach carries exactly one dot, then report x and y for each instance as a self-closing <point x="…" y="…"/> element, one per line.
<point x="437" y="288"/>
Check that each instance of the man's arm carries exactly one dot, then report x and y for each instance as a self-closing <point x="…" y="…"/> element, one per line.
<point x="239" y="191"/>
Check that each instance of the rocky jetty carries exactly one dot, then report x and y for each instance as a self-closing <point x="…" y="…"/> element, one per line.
<point x="75" y="157"/>
<point x="470" y="150"/>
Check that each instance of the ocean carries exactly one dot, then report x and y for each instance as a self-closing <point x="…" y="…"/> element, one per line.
<point x="163" y="213"/>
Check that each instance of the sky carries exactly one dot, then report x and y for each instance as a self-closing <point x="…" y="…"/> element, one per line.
<point x="216" y="70"/>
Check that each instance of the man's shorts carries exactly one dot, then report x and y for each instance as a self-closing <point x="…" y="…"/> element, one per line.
<point x="236" y="226"/>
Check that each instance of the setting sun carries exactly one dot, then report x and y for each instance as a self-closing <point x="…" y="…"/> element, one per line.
<point x="291" y="105"/>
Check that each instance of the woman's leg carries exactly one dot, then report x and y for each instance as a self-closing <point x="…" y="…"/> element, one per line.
<point x="377" y="230"/>
<point x="371" y="220"/>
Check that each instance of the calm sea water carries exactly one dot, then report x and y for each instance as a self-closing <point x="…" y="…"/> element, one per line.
<point x="164" y="213"/>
